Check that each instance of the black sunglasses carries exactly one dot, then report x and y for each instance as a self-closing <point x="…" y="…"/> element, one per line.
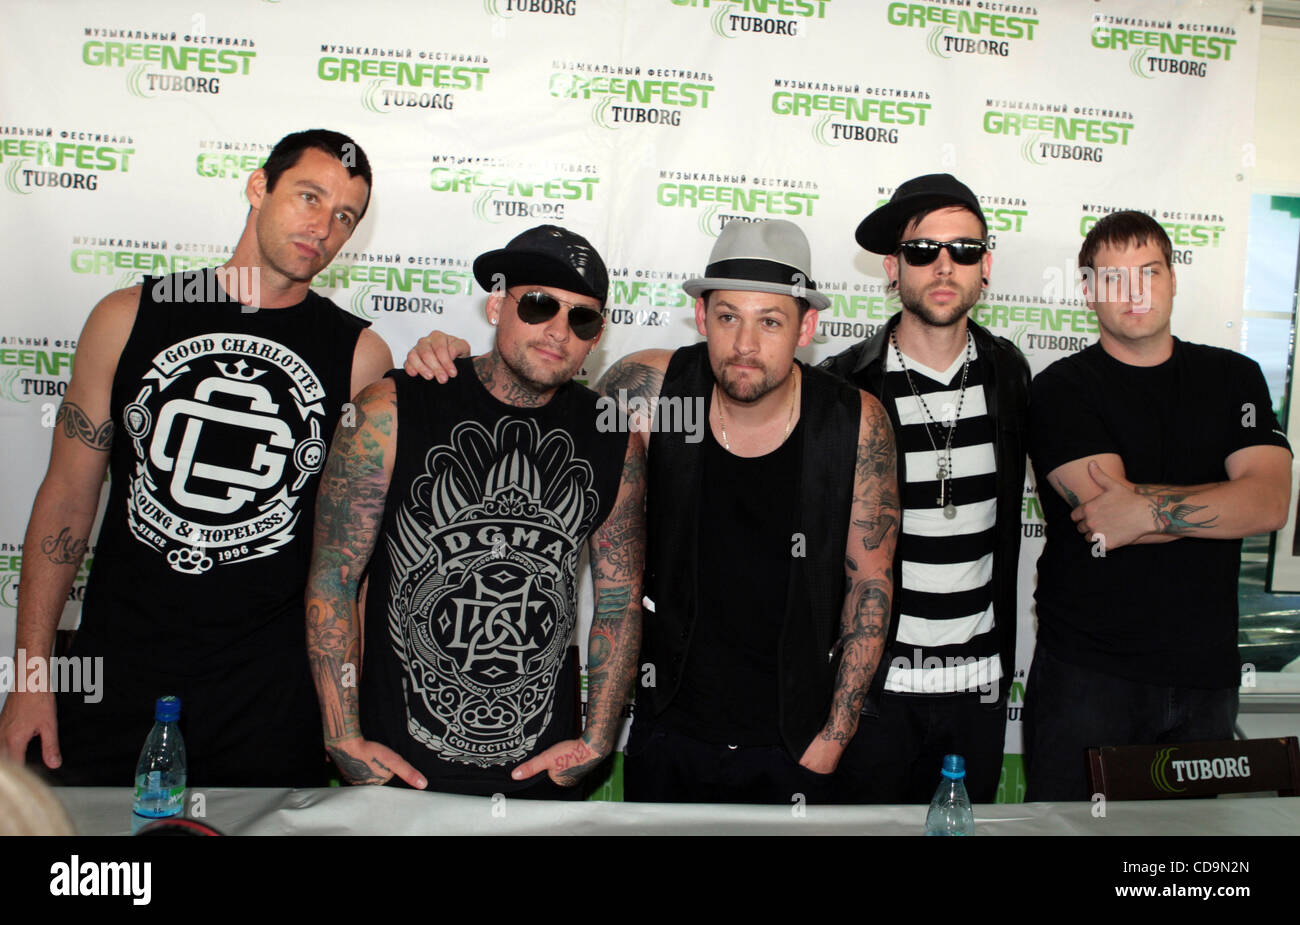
<point x="538" y="307"/>
<point x="922" y="252"/>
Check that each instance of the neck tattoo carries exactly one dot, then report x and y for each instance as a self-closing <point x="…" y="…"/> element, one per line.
<point x="943" y="457"/>
<point x="789" y="421"/>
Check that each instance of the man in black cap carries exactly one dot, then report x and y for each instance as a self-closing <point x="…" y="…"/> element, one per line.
<point x="770" y="537"/>
<point x="470" y="527"/>
<point x="957" y="397"/>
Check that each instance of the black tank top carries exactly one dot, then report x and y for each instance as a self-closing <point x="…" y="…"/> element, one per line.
<point x="473" y="581"/>
<point x="222" y="416"/>
<point x="729" y="691"/>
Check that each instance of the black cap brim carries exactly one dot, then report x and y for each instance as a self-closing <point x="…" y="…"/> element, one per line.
<point x="520" y="268"/>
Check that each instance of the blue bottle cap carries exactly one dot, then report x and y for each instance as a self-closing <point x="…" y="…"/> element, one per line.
<point x="954" y="767"/>
<point x="167" y="709"/>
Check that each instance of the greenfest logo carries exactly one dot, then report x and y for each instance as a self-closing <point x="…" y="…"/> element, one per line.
<point x="502" y="191"/>
<point x="1035" y="326"/>
<point x="1056" y="132"/>
<point x="221" y="159"/>
<point x="376" y="286"/>
<point x="646" y="297"/>
<point x="848" y="112"/>
<point x="127" y="261"/>
<point x="163" y="64"/>
<point x="722" y="198"/>
<point x="35" y="367"/>
<point x="1160" y="770"/>
<point x="631" y="95"/>
<point x="953" y="32"/>
<point x="1189" y="231"/>
<point x="508" y="9"/>
<point x="731" y="19"/>
<point x="403" y="80"/>
<point x="1156" y="48"/>
<point x="40" y="159"/>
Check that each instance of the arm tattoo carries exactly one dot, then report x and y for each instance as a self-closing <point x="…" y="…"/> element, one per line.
<point x="1069" y="496"/>
<point x="77" y="425"/>
<point x="617" y="562"/>
<point x="349" y="511"/>
<point x="1171" y="513"/>
<point x="64" y="549"/>
<point x="632" y="379"/>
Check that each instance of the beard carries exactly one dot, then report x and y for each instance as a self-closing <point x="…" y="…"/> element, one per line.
<point x="533" y="376"/>
<point x="913" y="300"/>
<point x="747" y="389"/>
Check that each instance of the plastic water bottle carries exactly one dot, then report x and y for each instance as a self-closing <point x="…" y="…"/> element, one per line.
<point x="950" y="812"/>
<point x="160" y="773"/>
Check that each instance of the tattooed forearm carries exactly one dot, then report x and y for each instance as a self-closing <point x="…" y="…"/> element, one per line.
<point x="1070" y="497"/>
<point x="78" y="426"/>
<point x="349" y="511"/>
<point x="861" y="649"/>
<point x="617" y="562"/>
<point x="1171" y="512"/>
<point x="64" y="549"/>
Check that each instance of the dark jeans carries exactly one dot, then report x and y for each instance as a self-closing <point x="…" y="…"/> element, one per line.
<point x="1069" y="709"/>
<point x="897" y="754"/>
<point x="664" y="766"/>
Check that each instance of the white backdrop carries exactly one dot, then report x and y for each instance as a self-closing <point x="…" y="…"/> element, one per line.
<point x="128" y="130"/>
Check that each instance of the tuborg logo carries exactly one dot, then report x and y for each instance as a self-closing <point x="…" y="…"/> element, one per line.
<point x="631" y="95"/>
<point x="1188" y="230"/>
<point x="502" y="189"/>
<point x="163" y="63"/>
<point x="957" y="32"/>
<point x="1056" y="131"/>
<point x="508" y="9"/>
<point x="720" y="198"/>
<point x="34" y="159"/>
<point x="731" y="19"/>
<point x="29" y="368"/>
<point x="403" y="80"/>
<point x="385" y="284"/>
<point x="1172" y="49"/>
<point x="846" y="112"/>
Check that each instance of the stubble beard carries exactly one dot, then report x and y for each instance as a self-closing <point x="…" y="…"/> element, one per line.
<point x="732" y="387"/>
<point x="913" y="300"/>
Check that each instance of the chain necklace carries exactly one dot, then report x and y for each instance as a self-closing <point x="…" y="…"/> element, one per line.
<point x="722" y="424"/>
<point x="944" y="457"/>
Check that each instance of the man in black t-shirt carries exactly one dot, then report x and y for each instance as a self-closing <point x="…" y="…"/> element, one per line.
<point x="470" y="525"/>
<point x="1163" y="455"/>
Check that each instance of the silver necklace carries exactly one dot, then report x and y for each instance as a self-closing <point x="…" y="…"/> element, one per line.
<point x="943" y="458"/>
<point x="722" y="425"/>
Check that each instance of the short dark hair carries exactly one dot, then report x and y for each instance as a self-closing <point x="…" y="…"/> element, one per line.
<point x="801" y="302"/>
<point x="919" y="216"/>
<point x="1124" y="229"/>
<point x="288" y="150"/>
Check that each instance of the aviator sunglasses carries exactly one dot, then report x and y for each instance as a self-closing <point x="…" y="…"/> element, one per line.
<point x="538" y="307"/>
<point x="922" y="252"/>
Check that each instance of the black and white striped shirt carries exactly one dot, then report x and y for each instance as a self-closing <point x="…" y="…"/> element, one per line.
<point x="945" y="641"/>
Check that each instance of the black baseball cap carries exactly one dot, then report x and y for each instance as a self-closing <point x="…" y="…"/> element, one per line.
<point x="879" y="231"/>
<point x="547" y="255"/>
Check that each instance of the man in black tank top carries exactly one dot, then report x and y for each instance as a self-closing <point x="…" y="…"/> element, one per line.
<point x="756" y="659"/>
<point x="212" y="395"/>
<point x="470" y="520"/>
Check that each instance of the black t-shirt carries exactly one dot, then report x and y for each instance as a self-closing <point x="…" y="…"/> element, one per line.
<point x="1164" y="613"/>
<point x="472" y="603"/>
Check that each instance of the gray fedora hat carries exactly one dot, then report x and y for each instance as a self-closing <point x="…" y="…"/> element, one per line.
<point x="766" y="256"/>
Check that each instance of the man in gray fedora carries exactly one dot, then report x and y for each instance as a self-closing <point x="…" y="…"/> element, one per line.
<point x="769" y="568"/>
<point x="769" y="543"/>
<point x="957" y="397"/>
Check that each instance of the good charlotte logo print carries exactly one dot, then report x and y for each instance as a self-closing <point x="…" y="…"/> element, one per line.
<point x="227" y="430"/>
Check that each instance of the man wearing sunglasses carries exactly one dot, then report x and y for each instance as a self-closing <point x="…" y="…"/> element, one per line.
<point x="470" y="525"/>
<point x="957" y="397"/>
<point x="770" y="541"/>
